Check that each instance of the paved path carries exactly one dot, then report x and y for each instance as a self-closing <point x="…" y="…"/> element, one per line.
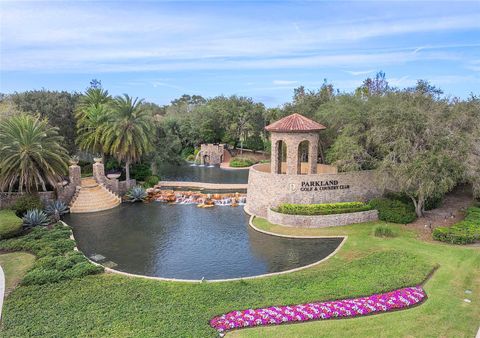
<point x="213" y="186"/>
<point x="2" y="289"/>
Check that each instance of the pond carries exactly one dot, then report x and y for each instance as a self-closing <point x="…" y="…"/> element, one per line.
<point x="193" y="173"/>
<point x="186" y="242"/>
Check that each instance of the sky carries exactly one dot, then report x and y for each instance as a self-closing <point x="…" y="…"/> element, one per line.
<point x="159" y="50"/>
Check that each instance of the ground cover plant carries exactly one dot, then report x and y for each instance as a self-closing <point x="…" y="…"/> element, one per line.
<point x="384" y="231"/>
<point x="113" y="305"/>
<point x="239" y="162"/>
<point x="392" y="210"/>
<point x="323" y="209"/>
<point x="56" y="258"/>
<point x="10" y="224"/>
<point x="463" y="232"/>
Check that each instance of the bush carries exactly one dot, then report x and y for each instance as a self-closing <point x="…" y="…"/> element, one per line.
<point x="323" y="209"/>
<point x="241" y="162"/>
<point x="55" y="210"/>
<point x="136" y="194"/>
<point x="25" y="203"/>
<point x="10" y="224"/>
<point x="394" y="211"/>
<point x="140" y="171"/>
<point x="463" y="232"/>
<point x="56" y="258"/>
<point x="150" y="181"/>
<point x="430" y="203"/>
<point x="384" y="231"/>
<point x="34" y="218"/>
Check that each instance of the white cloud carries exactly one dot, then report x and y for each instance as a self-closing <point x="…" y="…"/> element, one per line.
<point x="359" y="72"/>
<point x="283" y="82"/>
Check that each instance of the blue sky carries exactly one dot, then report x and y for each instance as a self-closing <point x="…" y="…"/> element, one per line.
<point x="161" y="50"/>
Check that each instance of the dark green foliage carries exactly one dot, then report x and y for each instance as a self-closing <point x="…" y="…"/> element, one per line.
<point x="323" y="209"/>
<point x="464" y="232"/>
<point x="34" y="218"/>
<point x="241" y="162"/>
<point x="384" y="231"/>
<point x="430" y="203"/>
<point x="56" y="258"/>
<point x="394" y="211"/>
<point x="254" y="142"/>
<point x="150" y="181"/>
<point x="26" y="202"/>
<point x="10" y="224"/>
<point x="140" y="171"/>
<point x="57" y="107"/>
<point x="86" y="168"/>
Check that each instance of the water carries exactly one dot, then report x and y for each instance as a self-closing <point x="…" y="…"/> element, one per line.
<point x="183" y="241"/>
<point x="209" y="174"/>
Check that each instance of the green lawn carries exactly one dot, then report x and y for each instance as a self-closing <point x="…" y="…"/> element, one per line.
<point x="113" y="305"/>
<point x="15" y="265"/>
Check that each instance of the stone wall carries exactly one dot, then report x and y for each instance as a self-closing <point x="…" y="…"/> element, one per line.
<point x="8" y="199"/>
<point x="212" y="153"/>
<point x="321" y="221"/>
<point x="266" y="190"/>
<point x="112" y="184"/>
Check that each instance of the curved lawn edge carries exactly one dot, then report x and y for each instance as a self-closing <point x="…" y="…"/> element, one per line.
<point x="346" y="308"/>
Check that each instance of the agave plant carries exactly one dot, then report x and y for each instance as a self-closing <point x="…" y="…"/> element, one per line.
<point x="35" y="217"/>
<point x="136" y="194"/>
<point x="55" y="210"/>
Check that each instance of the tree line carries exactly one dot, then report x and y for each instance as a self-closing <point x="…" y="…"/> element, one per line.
<point x="418" y="139"/>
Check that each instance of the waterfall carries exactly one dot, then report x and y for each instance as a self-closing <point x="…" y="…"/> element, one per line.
<point x="196" y="161"/>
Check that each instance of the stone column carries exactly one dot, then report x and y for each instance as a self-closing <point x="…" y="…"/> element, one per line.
<point x="292" y="157"/>
<point x="75" y="175"/>
<point x="275" y="157"/>
<point x="312" y="156"/>
<point x="99" y="172"/>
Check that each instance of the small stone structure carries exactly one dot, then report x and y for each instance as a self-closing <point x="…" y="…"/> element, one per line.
<point x="213" y="153"/>
<point x="298" y="178"/>
<point x="112" y="184"/>
<point x="321" y="221"/>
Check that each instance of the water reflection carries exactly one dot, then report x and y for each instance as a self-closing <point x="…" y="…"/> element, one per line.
<point x="183" y="241"/>
<point x="214" y="174"/>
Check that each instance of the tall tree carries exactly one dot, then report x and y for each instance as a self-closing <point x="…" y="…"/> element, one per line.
<point x="128" y="133"/>
<point x="31" y="154"/>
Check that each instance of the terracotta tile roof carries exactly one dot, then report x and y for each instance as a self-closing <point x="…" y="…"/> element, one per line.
<point x="294" y="123"/>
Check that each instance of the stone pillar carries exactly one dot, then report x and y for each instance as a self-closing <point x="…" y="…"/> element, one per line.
<point x="99" y="172"/>
<point x="276" y="156"/>
<point x="312" y="156"/>
<point x="292" y="158"/>
<point x="75" y="175"/>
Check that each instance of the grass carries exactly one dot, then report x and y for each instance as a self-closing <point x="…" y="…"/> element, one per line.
<point x="113" y="305"/>
<point x="10" y="224"/>
<point x="15" y="265"/>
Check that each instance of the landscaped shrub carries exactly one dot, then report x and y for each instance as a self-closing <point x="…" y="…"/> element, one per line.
<point x="26" y="202"/>
<point x="56" y="258"/>
<point x="55" y="210"/>
<point x="136" y="194"/>
<point x="384" y="231"/>
<point x="150" y="181"/>
<point x="394" y="211"/>
<point x="463" y="232"/>
<point x="34" y="218"/>
<point x="430" y="203"/>
<point x="323" y="209"/>
<point x="140" y="171"/>
<point x="241" y="162"/>
<point x="10" y="224"/>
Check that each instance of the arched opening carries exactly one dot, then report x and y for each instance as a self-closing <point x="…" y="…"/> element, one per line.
<point x="206" y="159"/>
<point x="303" y="157"/>
<point x="281" y="153"/>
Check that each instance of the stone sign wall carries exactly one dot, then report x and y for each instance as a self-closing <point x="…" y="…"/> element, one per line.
<point x="267" y="190"/>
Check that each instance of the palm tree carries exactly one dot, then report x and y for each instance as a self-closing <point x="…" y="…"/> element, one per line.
<point x="93" y="97"/>
<point x="128" y="132"/>
<point x="31" y="154"/>
<point x="90" y="128"/>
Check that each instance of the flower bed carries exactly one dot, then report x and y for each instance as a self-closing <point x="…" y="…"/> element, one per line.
<point x="347" y="308"/>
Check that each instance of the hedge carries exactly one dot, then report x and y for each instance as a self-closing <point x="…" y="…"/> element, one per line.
<point x="463" y="232"/>
<point x="241" y="162"/>
<point x="394" y="211"/>
<point x="56" y="258"/>
<point x="10" y="224"/>
<point x="323" y="209"/>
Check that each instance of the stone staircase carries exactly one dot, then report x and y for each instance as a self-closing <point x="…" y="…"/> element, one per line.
<point x="91" y="197"/>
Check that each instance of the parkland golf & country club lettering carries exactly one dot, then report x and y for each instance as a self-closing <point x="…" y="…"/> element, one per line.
<point x="322" y="185"/>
